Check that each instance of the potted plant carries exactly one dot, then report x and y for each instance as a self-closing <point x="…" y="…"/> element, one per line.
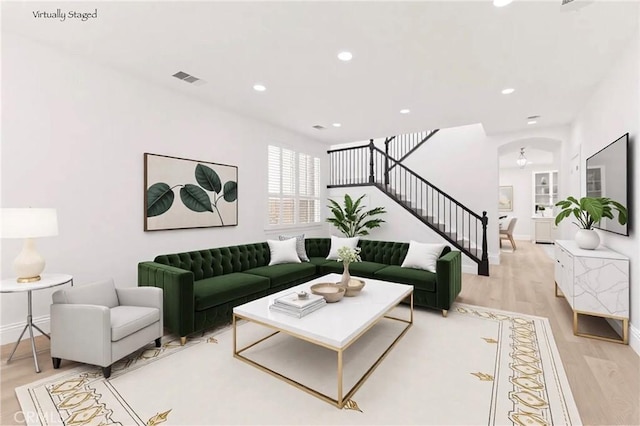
<point x="589" y="211"/>
<point x="352" y="220"/>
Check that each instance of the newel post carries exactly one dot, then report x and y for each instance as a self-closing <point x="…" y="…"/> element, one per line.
<point x="483" y="266"/>
<point x="386" y="161"/>
<point x="372" y="177"/>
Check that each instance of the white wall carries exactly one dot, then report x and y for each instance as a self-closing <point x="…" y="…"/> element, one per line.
<point x="614" y="109"/>
<point x="73" y="138"/>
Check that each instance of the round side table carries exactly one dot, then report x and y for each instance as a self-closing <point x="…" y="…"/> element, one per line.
<point x="46" y="281"/>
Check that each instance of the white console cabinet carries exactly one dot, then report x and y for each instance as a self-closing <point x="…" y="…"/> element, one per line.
<point x="594" y="282"/>
<point x="543" y="229"/>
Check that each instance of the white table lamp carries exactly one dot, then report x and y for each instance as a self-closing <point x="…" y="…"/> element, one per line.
<point x="28" y="223"/>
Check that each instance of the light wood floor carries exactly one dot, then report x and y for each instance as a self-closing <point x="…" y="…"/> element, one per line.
<point x="604" y="377"/>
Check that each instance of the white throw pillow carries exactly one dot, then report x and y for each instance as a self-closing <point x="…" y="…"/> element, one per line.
<point x="423" y="256"/>
<point x="337" y="242"/>
<point x="283" y="251"/>
<point x="302" y="253"/>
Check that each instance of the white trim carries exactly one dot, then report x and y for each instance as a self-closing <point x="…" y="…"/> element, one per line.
<point x="300" y="227"/>
<point x="9" y="333"/>
<point x="634" y="334"/>
<point x="634" y="338"/>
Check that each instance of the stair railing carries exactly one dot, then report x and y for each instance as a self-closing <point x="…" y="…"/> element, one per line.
<point x="368" y="165"/>
<point x="401" y="146"/>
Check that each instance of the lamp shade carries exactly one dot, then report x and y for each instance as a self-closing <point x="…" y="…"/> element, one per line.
<point x="28" y="223"/>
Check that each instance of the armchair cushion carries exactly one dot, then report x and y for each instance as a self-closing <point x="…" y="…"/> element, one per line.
<point x="126" y="320"/>
<point x="101" y="293"/>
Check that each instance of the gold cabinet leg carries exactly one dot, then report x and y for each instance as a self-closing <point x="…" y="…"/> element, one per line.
<point x="444" y="313"/>
<point x="183" y="340"/>
<point x="556" y="292"/>
<point x="625" y="328"/>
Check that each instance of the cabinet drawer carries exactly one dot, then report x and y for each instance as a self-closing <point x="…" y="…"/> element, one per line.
<point x="564" y="273"/>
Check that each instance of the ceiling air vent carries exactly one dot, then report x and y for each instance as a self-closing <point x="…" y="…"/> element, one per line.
<point x="319" y="127"/>
<point x="573" y="5"/>
<point x="181" y="75"/>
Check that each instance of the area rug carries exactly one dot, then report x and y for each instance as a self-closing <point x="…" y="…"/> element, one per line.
<point x="477" y="366"/>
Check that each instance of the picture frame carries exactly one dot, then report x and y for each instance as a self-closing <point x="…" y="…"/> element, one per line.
<point x="181" y="193"/>
<point x="505" y="199"/>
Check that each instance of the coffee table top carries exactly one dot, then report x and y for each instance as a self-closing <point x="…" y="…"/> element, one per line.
<point x="335" y="325"/>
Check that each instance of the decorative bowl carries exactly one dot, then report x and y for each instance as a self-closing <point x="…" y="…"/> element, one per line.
<point x="330" y="291"/>
<point x="354" y="287"/>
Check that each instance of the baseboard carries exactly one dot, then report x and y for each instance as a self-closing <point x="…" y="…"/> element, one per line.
<point x="634" y="339"/>
<point x="634" y="334"/>
<point x="471" y="267"/>
<point x="10" y="333"/>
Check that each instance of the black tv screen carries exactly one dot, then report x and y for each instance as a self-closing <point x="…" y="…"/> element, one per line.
<point x="608" y="176"/>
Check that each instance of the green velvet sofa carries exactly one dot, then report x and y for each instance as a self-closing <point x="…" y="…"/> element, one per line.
<point x="201" y="288"/>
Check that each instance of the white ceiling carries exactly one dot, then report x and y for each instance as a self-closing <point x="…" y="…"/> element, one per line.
<point x="446" y="61"/>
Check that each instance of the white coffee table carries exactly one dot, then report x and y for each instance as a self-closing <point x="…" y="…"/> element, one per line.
<point x="335" y="326"/>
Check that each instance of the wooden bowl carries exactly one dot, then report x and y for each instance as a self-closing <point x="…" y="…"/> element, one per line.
<point x="354" y="287"/>
<point x="330" y="291"/>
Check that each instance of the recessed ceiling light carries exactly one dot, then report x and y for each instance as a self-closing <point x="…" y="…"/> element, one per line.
<point x="532" y="122"/>
<point x="345" y="56"/>
<point x="337" y="125"/>
<point x="508" y="91"/>
<point x="405" y="111"/>
<point x="501" y="3"/>
<point x="259" y="88"/>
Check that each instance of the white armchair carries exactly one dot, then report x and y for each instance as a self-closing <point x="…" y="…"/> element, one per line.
<point x="99" y="324"/>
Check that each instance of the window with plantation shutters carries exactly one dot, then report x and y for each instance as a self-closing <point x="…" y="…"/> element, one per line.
<point x="294" y="187"/>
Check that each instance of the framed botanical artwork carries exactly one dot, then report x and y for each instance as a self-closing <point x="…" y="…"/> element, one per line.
<point x="180" y="193"/>
<point x="505" y="199"/>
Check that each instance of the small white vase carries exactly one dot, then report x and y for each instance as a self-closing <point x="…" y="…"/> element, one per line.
<point x="587" y="239"/>
<point x="346" y="277"/>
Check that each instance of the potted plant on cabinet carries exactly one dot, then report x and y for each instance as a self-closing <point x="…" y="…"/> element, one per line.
<point x="589" y="211"/>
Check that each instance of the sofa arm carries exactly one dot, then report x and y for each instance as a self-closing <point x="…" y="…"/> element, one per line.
<point x="81" y="333"/>
<point x="448" y="279"/>
<point x="177" y="294"/>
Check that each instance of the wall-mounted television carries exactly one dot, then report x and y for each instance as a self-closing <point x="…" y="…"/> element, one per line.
<point x="608" y="176"/>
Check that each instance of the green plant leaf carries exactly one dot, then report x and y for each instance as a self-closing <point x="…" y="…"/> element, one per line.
<point x="159" y="199"/>
<point x="353" y="220"/>
<point x="593" y="207"/>
<point x="208" y="178"/>
<point x="230" y="191"/>
<point x="194" y="198"/>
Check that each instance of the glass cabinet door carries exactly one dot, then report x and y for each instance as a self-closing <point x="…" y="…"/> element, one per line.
<point x="545" y="189"/>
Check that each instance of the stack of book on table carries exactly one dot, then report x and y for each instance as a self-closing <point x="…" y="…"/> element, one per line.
<point x="290" y="304"/>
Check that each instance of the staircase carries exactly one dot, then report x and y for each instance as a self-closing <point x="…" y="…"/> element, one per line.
<point x="368" y="165"/>
<point x="401" y="146"/>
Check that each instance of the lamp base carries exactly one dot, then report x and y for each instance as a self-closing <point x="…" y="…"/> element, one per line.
<point x="29" y="264"/>
<point x="28" y="280"/>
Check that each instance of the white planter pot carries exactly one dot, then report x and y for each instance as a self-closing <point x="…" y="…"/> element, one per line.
<point x="587" y="239"/>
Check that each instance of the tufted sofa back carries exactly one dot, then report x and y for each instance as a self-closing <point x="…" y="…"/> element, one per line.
<point x="387" y="252"/>
<point x="317" y="247"/>
<point x="219" y="261"/>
